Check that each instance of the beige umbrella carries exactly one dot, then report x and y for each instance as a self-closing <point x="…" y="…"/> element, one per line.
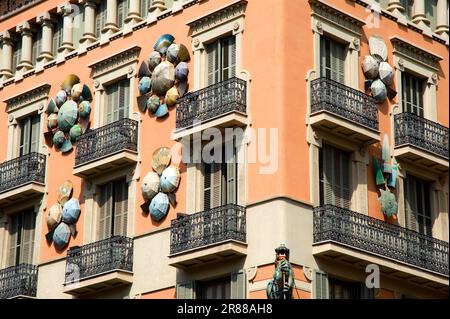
<point x="163" y="78"/>
<point x="150" y="185"/>
<point x="161" y="159"/>
<point x="64" y="192"/>
<point x="54" y="216"/>
<point x="170" y="179"/>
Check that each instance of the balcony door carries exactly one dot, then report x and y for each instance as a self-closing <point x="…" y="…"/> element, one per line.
<point x="215" y="289"/>
<point x="29" y="134"/>
<point x="412" y="94"/>
<point x="21" y="238"/>
<point x="332" y="59"/>
<point x="117" y="101"/>
<point x="113" y="214"/>
<point x="221" y="60"/>
<point x="418" y="206"/>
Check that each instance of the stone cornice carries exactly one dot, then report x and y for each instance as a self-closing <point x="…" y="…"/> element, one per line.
<point x="337" y="17"/>
<point x="218" y="17"/>
<point x="115" y="61"/>
<point x="406" y="49"/>
<point x="25" y="98"/>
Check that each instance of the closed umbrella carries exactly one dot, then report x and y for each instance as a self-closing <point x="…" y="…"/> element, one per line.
<point x="150" y="185"/>
<point x="182" y="87"/>
<point x="392" y="180"/>
<point x="61" y="236"/>
<point x="170" y="179"/>
<point x="379" y="178"/>
<point x="54" y="216"/>
<point x="161" y="159"/>
<point x="86" y="94"/>
<point x="159" y="206"/>
<point x="144" y="70"/>
<point x="385" y="158"/>
<point x="71" y="211"/>
<point x="183" y="53"/>
<point x="163" y="78"/>
<point x="163" y="43"/>
<point x="67" y="115"/>
<point x="64" y="192"/>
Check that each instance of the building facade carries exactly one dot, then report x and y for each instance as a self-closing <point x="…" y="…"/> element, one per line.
<point x="286" y="74"/>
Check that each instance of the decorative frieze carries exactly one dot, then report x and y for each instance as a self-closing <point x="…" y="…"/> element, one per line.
<point x="115" y="61"/>
<point x="413" y="52"/>
<point x="26" y="98"/>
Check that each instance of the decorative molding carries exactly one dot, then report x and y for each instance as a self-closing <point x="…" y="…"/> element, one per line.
<point x="115" y="61"/>
<point x="308" y="272"/>
<point x="18" y="101"/>
<point x="413" y="52"/>
<point x="218" y="17"/>
<point x="251" y="272"/>
<point x="335" y="16"/>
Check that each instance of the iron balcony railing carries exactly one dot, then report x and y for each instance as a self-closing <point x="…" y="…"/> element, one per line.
<point x="353" y="105"/>
<point x="213" y="101"/>
<point x="375" y="236"/>
<point x="207" y="227"/>
<point x="107" y="140"/>
<point x="115" y="253"/>
<point x="22" y="170"/>
<point x="422" y="133"/>
<point x="20" y="280"/>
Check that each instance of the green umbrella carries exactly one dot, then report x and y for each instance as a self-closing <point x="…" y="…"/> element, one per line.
<point x="67" y="115"/>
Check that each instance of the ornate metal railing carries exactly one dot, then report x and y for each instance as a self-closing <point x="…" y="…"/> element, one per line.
<point x="375" y="236"/>
<point x="425" y="134"/>
<point x="8" y="7"/>
<point x="215" y="100"/>
<point x="207" y="227"/>
<point x="107" y="140"/>
<point x="346" y="102"/>
<point x="20" y="280"/>
<point x="115" y="253"/>
<point x="22" y="170"/>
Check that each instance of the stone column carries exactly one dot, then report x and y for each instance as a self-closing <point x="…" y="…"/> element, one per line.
<point x="395" y="6"/>
<point x="89" y="22"/>
<point x="111" y="18"/>
<point x="46" y="20"/>
<point x="134" y="15"/>
<point x="419" y="16"/>
<point x="66" y="11"/>
<point x="6" y="43"/>
<point x="156" y="8"/>
<point x="27" y="42"/>
<point x="442" y="21"/>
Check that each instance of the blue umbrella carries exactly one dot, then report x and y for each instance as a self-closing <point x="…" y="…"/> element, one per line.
<point x="181" y="71"/>
<point x="61" y="236"/>
<point x="145" y="85"/>
<point x="162" y="110"/>
<point x="159" y="206"/>
<point x="170" y="179"/>
<point x="84" y="109"/>
<point x="71" y="211"/>
<point x="163" y="43"/>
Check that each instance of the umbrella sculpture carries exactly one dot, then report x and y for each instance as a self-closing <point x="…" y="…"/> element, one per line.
<point x="62" y="217"/>
<point x="71" y="108"/>
<point x="163" y="77"/>
<point x="378" y="72"/>
<point x="158" y="187"/>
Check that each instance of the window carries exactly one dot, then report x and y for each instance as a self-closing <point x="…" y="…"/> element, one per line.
<point x="113" y="205"/>
<point x="332" y="59"/>
<point x="418" y="208"/>
<point x="29" y="134"/>
<point x="21" y="238"/>
<point x="215" y="289"/>
<point x="145" y="4"/>
<point x="37" y="39"/>
<point x="78" y="26"/>
<point x="220" y="183"/>
<point x="100" y="18"/>
<point x="334" y="172"/>
<point x="412" y="94"/>
<point x="118" y="98"/>
<point x="431" y="12"/>
<point x="221" y="60"/>
<point x="57" y="37"/>
<point x="408" y="6"/>
<point x="349" y="290"/>
<point x="122" y="12"/>
<point x="17" y="55"/>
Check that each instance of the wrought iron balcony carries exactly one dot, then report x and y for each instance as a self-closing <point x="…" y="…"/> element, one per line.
<point x="107" y="140"/>
<point x="18" y="281"/>
<point x="343" y="101"/>
<point x="22" y="170"/>
<point x="115" y="253"/>
<point x="211" y="102"/>
<point x="421" y="133"/>
<point x="374" y="236"/>
<point x="207" y="227"/>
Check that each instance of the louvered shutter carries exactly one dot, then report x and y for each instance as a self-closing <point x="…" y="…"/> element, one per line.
<point x="123" y="99"/>
<point x="34" y="133"/>
<point x="337" y="61"/>
<point x="411" y="204"/>
<point x="216" y="185"/>
<point x="212" y="53"/>
<point x="323" y="57"/>
<point x="238" y="285"/>
<point x="78" y="26"/>
<point x="207" y="168"/>
<point x="366" y="293"/>
<point x="25" y="136"/>
<point x="186" y="290"/>
<point x="120" y="208"/>
<point x="111" y="107"/>
<point x="36" y="47"/>
<point x="17" y="54"/>
<point x="227" y="58"/>
<point x="231" y="174"/>
<point x="100" y="19"/>
<point x="14" y="246"/>
<point x="105" y="213"/>
<point x="122" y="11"/>
<point x="320" y="285"/>
<point x="57" y="37"/>
<point x="144" y="8"/>
<point x="431" y="12"/>
<point x="27" y="237"/>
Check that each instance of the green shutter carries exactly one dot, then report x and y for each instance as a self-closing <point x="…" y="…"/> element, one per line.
<point x="227" y="58"/>
<point x="124" y="99"/>
<point x="105" y="212"/>
<point x="27" y="237"/>
<point x="320" y="285"/>
<point x="120" y="208"/>
<point x="186" y="290"/>
<point x="332" y="59"/>
<point x="34" y="133"/>
<point x="238" y="285"/>
<point x="25" y="129"/>
<point x="14" y="245"/>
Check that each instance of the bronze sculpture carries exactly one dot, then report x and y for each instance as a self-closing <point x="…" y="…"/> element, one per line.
<point x="282" y="284"/>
